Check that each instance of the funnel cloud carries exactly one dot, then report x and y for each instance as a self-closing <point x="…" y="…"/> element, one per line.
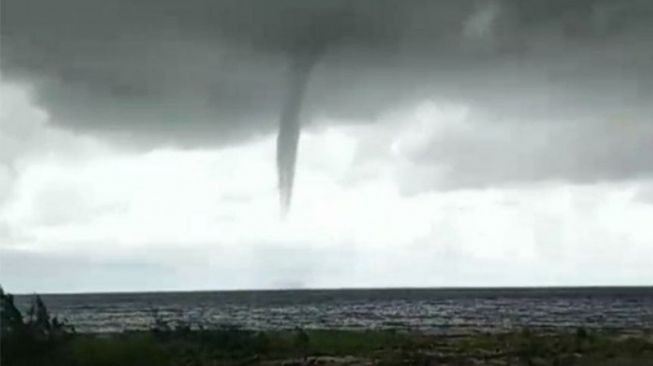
<point x="290" y="126"/>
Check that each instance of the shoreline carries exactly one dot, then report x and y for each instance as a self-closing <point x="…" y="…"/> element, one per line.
<point x="37" y="338"/>
<point x="548" y="330"/>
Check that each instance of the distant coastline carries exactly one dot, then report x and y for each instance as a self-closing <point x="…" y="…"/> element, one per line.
<point x="476" y="289"/>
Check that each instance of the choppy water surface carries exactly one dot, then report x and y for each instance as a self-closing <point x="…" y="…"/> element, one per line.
<point x="433" y="310"/>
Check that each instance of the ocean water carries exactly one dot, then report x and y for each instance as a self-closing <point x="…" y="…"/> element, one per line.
<point x="430" y="310"/>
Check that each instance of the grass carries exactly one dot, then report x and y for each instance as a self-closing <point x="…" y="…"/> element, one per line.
<point x="239" y="347"/>
<point x="134" y="350"/>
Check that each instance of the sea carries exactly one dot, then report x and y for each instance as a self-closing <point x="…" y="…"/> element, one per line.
<point x="445" y="311"/>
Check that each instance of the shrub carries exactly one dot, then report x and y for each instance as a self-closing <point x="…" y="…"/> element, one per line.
<point x="29" y="340"/>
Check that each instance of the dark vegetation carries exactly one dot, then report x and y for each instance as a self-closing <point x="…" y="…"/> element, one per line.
<point x="36" y="338"/>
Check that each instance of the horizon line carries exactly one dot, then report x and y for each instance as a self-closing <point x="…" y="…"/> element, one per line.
<point x="371" y="288"/>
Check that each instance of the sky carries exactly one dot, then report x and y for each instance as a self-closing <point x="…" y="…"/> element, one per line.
<point x="428" y="143"/>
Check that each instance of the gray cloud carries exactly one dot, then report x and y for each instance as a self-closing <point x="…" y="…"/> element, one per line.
<point x="486" y="154"/>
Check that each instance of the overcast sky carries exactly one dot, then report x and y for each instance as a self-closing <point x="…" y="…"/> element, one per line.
<point x="443" y="143"/>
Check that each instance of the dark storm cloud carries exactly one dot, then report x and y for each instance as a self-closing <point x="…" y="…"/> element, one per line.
<point x="176" y="69"/>
<point x="214" y="70"/>
<point x="209" y="72"/>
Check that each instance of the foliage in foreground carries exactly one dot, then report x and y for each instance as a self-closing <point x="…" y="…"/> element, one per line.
<point x="38" y="339"/>
<point x="33" y="336"/>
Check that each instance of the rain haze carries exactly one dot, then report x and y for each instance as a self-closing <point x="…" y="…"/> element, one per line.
<point x="252" y="144"/>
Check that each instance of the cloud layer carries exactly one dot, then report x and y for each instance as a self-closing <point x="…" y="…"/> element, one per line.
<point x="213" y="71"/>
